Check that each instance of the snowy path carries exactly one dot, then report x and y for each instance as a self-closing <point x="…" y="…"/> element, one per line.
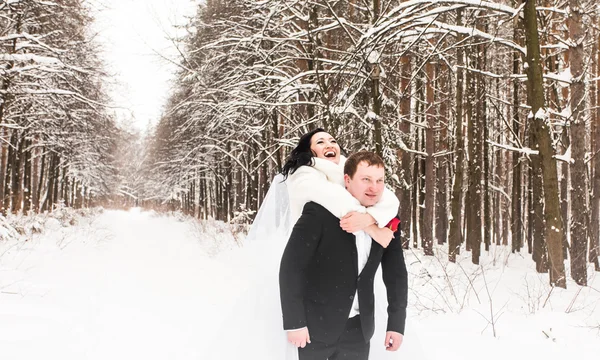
<point x="134" y="285"/>
<point x="137" y="289"/>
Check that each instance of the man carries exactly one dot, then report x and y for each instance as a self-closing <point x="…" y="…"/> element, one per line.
<point x="326" y="276"/>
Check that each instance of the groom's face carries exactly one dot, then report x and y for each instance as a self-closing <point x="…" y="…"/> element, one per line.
<point x="367" y="184"/>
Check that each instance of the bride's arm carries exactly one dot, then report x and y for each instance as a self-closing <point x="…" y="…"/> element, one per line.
<point x="386" y="209"/>
<point x="309" y="184"/>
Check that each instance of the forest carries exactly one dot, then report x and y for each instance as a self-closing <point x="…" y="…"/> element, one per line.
<point x="486" y="113"/>
<point x="59" y="138"/>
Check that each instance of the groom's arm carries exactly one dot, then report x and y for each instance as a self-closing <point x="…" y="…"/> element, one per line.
<point x="395" y="278"/>
<point x="296" y="258"/>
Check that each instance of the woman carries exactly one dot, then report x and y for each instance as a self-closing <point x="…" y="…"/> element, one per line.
<point x="314" y="171"/>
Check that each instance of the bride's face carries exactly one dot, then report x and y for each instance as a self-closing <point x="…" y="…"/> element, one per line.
<point x="324" y="146"/>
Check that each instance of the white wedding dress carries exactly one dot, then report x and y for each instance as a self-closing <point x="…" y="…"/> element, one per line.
<point x="254" y="328"/>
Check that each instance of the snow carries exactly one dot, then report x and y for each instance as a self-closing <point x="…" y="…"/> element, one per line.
<point x="373" y="57"/>
<point x="541" y="114"/>
<point x="477" y="3"/>
<point x="524" y="150"/>
<point x="372" y="116"/>
<point x="566" y="112"/>
<point x="477" y="33"/>
<point x="139" y="285"/>
<point x="566" y="157"/>
<point x="120" y="285"/>
<point x="563" y="78"/>
<point x="31" y="58"/>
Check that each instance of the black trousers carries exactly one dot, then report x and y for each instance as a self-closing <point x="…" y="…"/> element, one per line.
<point x="350" y="346"/>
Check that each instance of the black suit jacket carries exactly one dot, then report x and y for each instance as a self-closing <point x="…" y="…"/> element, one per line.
<point x="318" y="278"/>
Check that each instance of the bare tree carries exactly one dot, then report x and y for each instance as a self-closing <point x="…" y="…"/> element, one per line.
<point x="542" y="130"/>
<point x="579" y="189"/>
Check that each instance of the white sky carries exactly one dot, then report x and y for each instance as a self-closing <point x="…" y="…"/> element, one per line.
<point x="132" y="32"/>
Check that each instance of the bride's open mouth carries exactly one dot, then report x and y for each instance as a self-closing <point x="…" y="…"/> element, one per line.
<point x="329" y="154"/>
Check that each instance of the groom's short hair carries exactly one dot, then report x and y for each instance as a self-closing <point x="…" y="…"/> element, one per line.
<point x="371" y="158"/>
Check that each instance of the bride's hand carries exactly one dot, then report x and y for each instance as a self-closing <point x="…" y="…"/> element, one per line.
<point x="355" y="221"/>
<point x="382" y="236"/>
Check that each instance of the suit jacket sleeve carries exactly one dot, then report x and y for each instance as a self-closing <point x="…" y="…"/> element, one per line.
<point x="386" y="209"/>
<point x="296" y="258"/>
<point x="309" y="184"/>
<point x="395" y="278"/>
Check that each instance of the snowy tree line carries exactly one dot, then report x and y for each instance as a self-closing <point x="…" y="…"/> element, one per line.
<point x="486" y="113"/>
<point x="58" y="136"/>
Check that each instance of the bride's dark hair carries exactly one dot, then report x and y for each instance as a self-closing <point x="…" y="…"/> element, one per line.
<point x="300" y="155"/>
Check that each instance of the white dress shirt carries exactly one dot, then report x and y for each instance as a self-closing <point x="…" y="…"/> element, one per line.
<point x="363" y="248"/>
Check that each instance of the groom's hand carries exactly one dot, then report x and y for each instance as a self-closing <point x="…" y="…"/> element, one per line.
<point x="299" y="338"/>
<point x="393" y="340"/>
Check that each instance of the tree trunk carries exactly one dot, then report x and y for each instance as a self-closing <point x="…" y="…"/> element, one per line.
<point x="202" y="193"/>
<point x="4" y="165"/>
<point x="564" y="166"/>
<point x="579" y="190"/>
<point x="64" y="187"/>
<point x="35" y="200"/>
<point x="595" y="220"/>
<point x="536" y="210"/>
<point x="27" y="177"/>
<point x="375" y="92"/>
<point x="416" y="192"/>
<point x="554" y="228"/>
<point x="56" y="174"/>
<point x="41" y="182"/>
<point x="429" y="214"/>
<point x="475" y="172"/>
<point x="517" y="193"/>
<point x="4" y="101"/>
<point x="422" y="168"/>
<point x="49" y="198"/>
<point x="87" y="194"/>
<point x="17" y="178"/>
<point x="239" y="192"/>
<point x="77" y="196"/>
<point x="507" y="205"/>
<point x="498" y="200"/>
<point x="455" y="235"/>
<point x="483" y="124"/>
<point x="403" y="191"/>
<point x="264" y="170"/>
<point x="73" y="190"/>
<point x="378" y="139"/>
<point x="193" y="195"/>
<point x="11" y="169"/>
<point x="254" y="188"/>
<point x="441" y="222"/>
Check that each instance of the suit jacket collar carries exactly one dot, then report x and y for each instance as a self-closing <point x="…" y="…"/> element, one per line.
<point x="374" y="253"/>
<point x="354" y="254"/>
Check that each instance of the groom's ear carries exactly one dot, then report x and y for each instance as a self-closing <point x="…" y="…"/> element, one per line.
<point x="347" y="179"/>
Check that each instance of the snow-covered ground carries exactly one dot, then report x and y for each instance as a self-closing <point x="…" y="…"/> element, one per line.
<point x="139" y="285"/>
